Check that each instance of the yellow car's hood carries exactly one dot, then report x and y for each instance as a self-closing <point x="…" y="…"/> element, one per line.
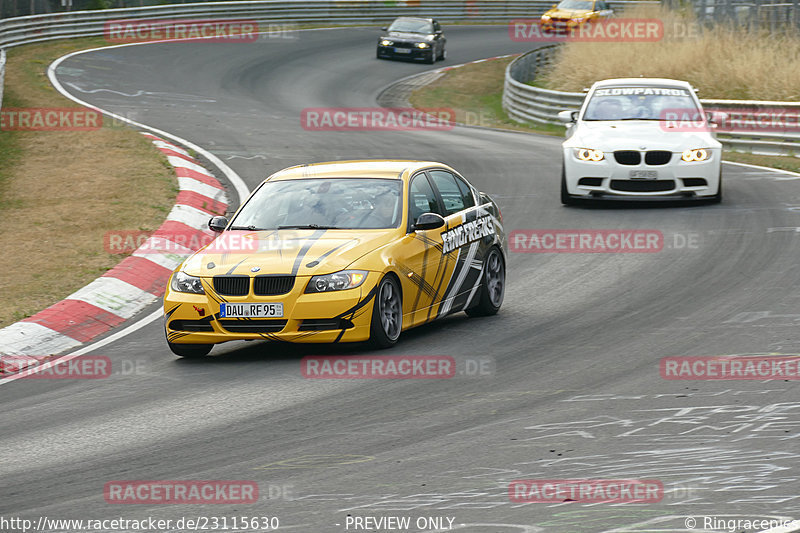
<point x="298" y="252"/>
<point x="567" y="13"/>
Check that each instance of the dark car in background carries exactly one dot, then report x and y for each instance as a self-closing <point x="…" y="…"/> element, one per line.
<point x="413" y="38"/>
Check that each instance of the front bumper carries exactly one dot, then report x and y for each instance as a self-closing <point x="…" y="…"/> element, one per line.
<point x="336" y="316"/>
<point x="396" y="52"/>
<point x="676" y="179"/>
<point x="560" y="26"/>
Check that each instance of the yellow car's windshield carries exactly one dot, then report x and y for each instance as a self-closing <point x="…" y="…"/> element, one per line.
<point x="582" y="5"/>
<point x="324" y="203"/>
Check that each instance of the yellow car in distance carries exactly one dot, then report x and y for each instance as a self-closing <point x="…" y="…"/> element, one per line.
<point x="570" y="14"/>
<point x="345" y="251"/>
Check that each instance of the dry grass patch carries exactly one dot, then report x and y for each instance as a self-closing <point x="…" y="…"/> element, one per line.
<point x="723" y="62"/>
<point x="64" y="190"/>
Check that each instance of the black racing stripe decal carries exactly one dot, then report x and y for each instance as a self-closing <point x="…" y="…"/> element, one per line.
<point x="360" y="304"/>
<point x="435" y="244"/>
<point x="417" y="280"/>
<point x="229" y="272"/>
<point x="169" y="313"/>
<point x="318" y="260"/>
<point x="441" y="271"/>
<point x="422" y="275"/>
<point x="306" y="247"/>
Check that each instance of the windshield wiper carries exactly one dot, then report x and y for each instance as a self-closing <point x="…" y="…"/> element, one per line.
<point x="248" y="228"/>
<point x="619" y="119"/>
<point x="308" y="226"/>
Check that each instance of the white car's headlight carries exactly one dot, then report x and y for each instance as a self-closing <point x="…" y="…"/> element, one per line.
<point x="183" y="282"/>
<point x="698" y="154"/>
<point x="386" y="42"/>
<point x="588" y="154"/>
<point x="423" y="45"/>
<point x="338" y="281"/>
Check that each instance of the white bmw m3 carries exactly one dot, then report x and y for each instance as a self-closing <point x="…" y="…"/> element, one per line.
<point x="641" y="138"/>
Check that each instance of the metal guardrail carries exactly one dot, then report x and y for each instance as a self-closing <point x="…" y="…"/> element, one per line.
<point x="744" y="131"/>
<point x="268" y="14"/>
<point x="30" y="29"/>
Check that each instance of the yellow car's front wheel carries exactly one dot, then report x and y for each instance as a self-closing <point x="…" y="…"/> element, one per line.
<point x="387" y="313"/>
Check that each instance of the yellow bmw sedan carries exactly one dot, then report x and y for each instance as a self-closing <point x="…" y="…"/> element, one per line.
<point x="346" y="251"/>
<point x="568" y="15"/>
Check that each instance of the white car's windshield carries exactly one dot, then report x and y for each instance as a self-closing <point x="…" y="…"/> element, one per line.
<point x="340" y="203"/>
<point x="640" y="103"/>
<point x="412" y="26"/>
<point x="582" y="5"/>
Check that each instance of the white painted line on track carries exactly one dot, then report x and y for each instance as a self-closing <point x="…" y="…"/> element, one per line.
<point x="238" y="183"/>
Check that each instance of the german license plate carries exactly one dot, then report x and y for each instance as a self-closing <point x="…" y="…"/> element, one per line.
<point x="250" y="310"/>
<point x="644" y="174"/>
<point x="402" y="50"/>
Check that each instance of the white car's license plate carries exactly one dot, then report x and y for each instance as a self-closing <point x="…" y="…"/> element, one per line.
<point x="402" y="50"/>
<point x="643" y="174"/>
<point x="250" y="310"/>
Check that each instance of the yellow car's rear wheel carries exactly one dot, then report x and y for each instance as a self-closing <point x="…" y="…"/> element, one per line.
<point x="493" y="286"/>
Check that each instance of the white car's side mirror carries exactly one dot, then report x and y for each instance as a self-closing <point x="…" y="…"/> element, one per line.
<point x="568" y="116"/>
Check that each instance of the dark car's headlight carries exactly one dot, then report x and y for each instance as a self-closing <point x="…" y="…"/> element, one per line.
<point x="338" y="281"/>
<point x="386" y="42"/>
<point x="183" y="282"/>
<point x="423" y="45"/>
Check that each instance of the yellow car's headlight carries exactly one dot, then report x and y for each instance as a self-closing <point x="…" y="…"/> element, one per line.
<point x="545" y="18"/>
<point x="587" y="154"/>
<point x="338" y="281"/>
<point x="698" y="154"/>
<point x="183" y="282"/>
<point x="423" y="45"/>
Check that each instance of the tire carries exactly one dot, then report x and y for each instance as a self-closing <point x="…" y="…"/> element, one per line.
<point x="387" y="314"/>
<point x="432" y="59"/>
<point x="566" y="198"/>
<point x="443" y="55"/>
<point x="190" y="350"/>
<point x="493" y="286"/>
